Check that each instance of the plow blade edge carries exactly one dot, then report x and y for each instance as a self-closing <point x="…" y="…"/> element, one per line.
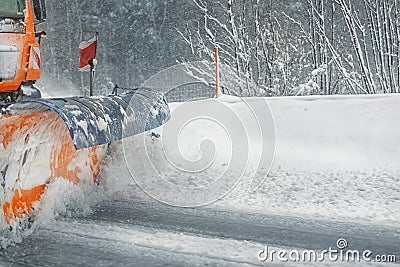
<point x="102" y="120"/>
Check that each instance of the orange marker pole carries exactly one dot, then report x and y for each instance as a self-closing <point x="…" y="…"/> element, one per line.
<point x="216" y="54"/>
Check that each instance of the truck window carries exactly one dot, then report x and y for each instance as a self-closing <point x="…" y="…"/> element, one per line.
<point x="12" y="8"/>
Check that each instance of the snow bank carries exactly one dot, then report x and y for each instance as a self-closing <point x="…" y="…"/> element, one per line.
<point x="337" y="133"/>
<point x="336" y="157"/>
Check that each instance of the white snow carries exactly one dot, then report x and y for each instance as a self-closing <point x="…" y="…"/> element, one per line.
<point x="102" y="124"/>
<point x="154" y="112"/>
<point x="28" y="90"/>
<point x="321" y="70"/>
<point x="336" y="157"/>
<point x="355" y="133"/>
<point x="76" y="112"/>
<point x="84" y="126"/>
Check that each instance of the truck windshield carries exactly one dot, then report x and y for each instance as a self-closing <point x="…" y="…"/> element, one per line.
<point x="12" y="8"/>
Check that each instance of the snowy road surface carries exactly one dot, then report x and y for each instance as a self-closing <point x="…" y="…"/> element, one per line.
<point x="141" y="233"/>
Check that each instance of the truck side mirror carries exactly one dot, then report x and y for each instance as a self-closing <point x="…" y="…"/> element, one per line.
<point x="39" y="8"/>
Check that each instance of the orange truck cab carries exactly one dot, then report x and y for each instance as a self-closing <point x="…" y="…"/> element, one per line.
<point x="20" y="48"/>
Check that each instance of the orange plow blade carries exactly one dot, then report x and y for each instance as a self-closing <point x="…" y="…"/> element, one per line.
<point x="35" y="149"/>
<point x="66" y="138"/>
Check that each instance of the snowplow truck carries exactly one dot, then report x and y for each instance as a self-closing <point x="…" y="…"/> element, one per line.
<point x="44" y="140"/>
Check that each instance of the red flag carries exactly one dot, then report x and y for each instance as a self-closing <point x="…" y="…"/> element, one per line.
<point x="87" y="51"/>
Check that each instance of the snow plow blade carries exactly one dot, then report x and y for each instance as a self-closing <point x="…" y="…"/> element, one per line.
<point x="102" y="120"/>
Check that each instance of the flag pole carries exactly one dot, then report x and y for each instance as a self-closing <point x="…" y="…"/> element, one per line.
<point x="91" y="82"/>
<point x="93" y="63"/>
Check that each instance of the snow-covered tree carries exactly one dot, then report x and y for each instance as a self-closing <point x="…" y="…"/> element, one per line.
<point x="282" y="46"/>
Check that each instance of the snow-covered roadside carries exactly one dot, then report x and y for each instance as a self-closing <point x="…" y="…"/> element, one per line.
<point x="337" y="133"/>
<point x="364" y="196"/>
<point x="336" y="158"/>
